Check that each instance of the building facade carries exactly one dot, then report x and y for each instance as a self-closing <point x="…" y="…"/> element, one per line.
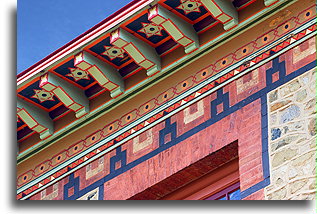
<point x="175" y="100"/>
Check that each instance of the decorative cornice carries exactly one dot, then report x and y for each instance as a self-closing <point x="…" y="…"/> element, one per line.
<point x="204" y="49"/>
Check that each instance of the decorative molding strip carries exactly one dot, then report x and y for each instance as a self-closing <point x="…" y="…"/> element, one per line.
<point x="271" y="2"/>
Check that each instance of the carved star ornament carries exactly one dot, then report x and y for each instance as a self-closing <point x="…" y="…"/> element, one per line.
<point x="189" y="6"/>
<point x="151" y="29"/>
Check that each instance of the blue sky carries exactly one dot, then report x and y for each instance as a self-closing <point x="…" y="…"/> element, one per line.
<point x="45" y="25"/>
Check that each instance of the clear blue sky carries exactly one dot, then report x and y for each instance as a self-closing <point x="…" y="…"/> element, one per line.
<point x="46" y="25"/>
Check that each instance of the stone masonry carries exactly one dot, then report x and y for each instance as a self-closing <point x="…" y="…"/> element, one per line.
<point x="292" y="139"/>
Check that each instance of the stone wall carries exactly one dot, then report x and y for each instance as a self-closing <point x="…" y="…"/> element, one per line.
<point x="292" y="139"/>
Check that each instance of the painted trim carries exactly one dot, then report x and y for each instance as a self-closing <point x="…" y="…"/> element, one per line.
<point x="186" y="135"/>
<point x="102" y="27"/>
<point x="164" y="106"/>
<point x="148" y="82"/>
<point x="240" y="74"/>
<point x="111" y="104"/>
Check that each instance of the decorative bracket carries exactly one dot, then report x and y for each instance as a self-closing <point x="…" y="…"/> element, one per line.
<point x="181" y="31"/>
<point x="142" y="53"/>
<point x="224" y="11"/>
<point x="106" y="75"/>
<point x="35" y="118"/>
<point x="71" y="96"/>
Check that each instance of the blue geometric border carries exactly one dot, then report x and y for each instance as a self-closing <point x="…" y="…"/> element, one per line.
<point x="171" y="129"/>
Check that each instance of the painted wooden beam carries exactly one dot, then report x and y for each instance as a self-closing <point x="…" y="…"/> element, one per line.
<point x="142" y="53"/>
<point x="71" y="96"/>
<point x="224" y="11"/>
<point x="35" y="118"/>
<point x="181" y="31"/>
<point x="106" y="75"/>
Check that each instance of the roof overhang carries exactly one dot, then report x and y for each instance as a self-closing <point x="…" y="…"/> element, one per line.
<point x="72" y="95"/>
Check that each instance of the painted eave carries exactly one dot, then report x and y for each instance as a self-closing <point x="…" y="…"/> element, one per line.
<point x="106" y="25"/>
<point x="103" y="28"/>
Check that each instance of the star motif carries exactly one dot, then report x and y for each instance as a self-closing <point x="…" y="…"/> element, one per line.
<point x="113" y="52"/>
<point x="189" y="6"/>
<point x="78" y="74"/>
<point x="151" y="29"/>
<point x="43" y="95"/>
